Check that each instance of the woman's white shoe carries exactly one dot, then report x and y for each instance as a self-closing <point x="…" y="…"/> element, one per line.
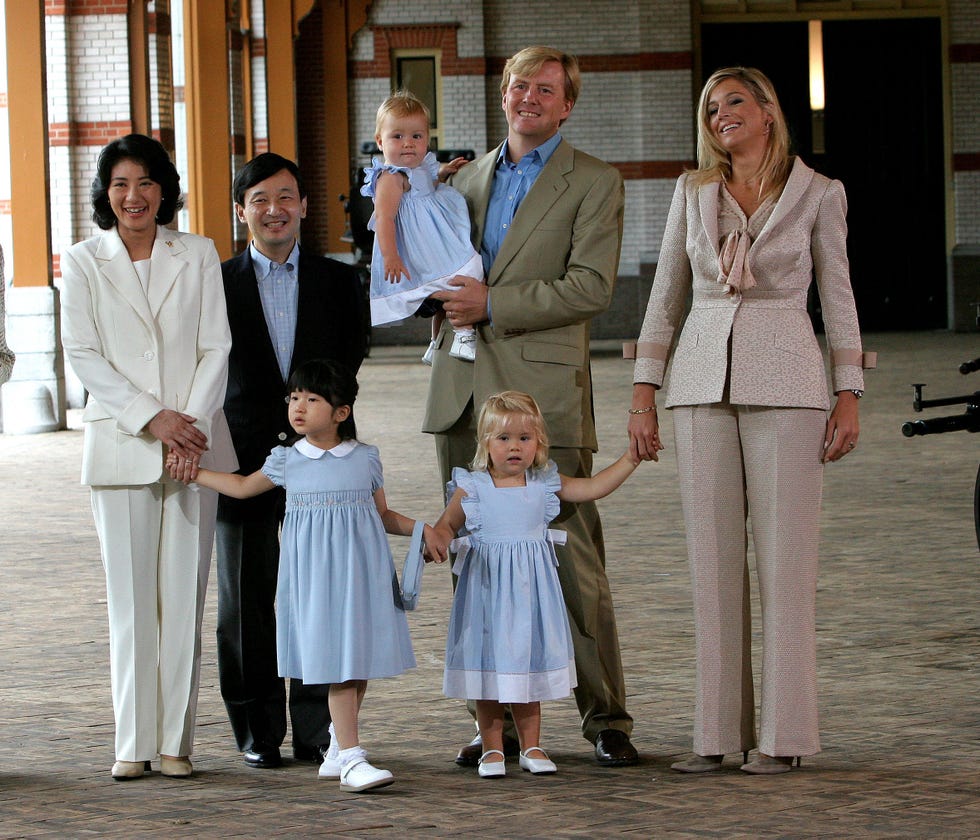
<point x="537" y="766"/>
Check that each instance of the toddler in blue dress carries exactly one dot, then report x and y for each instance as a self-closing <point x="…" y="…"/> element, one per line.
<point x="509" y="639"/>
<point x="421" y="226"/>
<point x="339" y="620"/>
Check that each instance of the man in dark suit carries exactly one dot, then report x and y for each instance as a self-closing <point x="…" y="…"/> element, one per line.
<point x="285" y="306"/>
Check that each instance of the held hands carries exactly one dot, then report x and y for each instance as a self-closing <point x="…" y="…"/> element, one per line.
<point x="180" y="468"/>
<point x="436" y="544"/>
<point x="451" y="168"/>
<point x="467" y="305"/>
<point x="842" y="428"/>
<point x="177" y="431"/>
<point x="643" y="431"/>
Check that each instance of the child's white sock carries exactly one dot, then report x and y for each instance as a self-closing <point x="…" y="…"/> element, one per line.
<point x="333" y="751"/>
<point x="349" y="756"/>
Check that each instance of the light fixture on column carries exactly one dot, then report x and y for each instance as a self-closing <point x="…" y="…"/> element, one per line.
<point x="817" y="97"/>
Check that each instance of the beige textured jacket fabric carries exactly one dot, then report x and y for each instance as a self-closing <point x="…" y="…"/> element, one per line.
<point x="775" y="357"/>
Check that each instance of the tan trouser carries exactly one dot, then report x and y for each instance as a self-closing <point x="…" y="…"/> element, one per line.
<point x="762" y="463"/>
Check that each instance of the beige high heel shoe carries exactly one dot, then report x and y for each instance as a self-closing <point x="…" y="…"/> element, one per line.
<point x="176" y="767"/>
<point x="767" y="765"/>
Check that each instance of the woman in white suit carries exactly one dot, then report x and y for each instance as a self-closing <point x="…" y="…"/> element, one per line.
<point x="746" y="234"/>
<point x="145" y="329"/>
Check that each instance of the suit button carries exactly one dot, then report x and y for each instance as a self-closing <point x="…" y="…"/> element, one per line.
<point x="282" y="436"/>
<point x="148" y="355"/>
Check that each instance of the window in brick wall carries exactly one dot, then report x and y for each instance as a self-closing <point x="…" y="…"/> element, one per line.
<point x="417" y="70"/>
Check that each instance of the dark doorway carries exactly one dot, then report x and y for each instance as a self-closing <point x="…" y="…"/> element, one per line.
<point x="884" y="141"/>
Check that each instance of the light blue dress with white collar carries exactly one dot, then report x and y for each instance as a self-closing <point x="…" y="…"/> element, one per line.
<point x="432" y="234"/>
<point x="339" y="614"/>
<point x="509" y="638"/>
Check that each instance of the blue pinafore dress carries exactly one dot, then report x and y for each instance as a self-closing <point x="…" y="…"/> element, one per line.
<point x="509" y="638"/>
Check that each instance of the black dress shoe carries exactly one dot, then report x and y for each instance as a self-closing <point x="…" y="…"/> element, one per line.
<point x="262" y="757"/>
<point x="311" y="755"/>
<point x="613" y="749"/>
<point x="469" y="756"/>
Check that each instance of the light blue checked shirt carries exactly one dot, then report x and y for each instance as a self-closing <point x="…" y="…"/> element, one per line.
<point x="279" y="292"/>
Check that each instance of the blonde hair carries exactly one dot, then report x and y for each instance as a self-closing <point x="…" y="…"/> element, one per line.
<point x="496" y="411"/>
<point x="714" y="162"/>
<point x="402" y="103"/>
<point x="529" y="61"/>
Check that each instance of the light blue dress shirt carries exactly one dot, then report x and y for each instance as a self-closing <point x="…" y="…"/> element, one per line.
<point x="279" y="293"/>
<point x="511" y="182"/>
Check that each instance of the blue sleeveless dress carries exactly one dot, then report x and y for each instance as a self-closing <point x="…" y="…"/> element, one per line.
<point x="338" y="610"/>
<point x="432" y="233"/>
<point x="509" y="638"/>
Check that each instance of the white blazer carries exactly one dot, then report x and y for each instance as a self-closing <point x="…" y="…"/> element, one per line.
<point x="140" y="352"/>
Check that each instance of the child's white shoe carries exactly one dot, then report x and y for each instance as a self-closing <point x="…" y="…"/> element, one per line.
<point x="537" y="766"/>
<point x="330" y="767"/>
<point x="464" y="347"/>
<point x="358" y="774"/>
<point x="429" y="354"/>
<point x="492" y="769"/>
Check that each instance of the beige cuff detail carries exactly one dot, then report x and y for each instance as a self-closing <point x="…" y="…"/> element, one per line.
<point x="867" y="360"/>
<point x="645" y="350"/>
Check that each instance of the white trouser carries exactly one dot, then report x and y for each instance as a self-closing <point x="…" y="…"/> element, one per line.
<point x="156" y="549"/>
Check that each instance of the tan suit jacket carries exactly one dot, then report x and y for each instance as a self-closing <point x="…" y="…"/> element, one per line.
<point x="554" y="273"/>
<point x="139" y="352"/>
<point x="775" y="358"/>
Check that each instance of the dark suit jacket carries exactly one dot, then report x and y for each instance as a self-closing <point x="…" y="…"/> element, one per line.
<point x="329" y="324"/>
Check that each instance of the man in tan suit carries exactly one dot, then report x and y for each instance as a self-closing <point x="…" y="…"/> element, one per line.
<point x="548" y="222"/>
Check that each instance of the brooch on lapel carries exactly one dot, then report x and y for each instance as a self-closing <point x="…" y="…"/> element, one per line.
<point x="169" y="243"/>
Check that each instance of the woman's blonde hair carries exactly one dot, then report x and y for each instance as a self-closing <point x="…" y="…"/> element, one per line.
<point x="714" y="162"/>
<point x="402" y="103"/>
<point x="494" y="415"/>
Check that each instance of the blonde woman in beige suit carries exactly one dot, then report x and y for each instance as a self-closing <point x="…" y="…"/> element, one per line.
<point x="747" y="232"/>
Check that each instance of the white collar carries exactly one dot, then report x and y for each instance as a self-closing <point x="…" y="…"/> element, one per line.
<point x="304" y="447"/>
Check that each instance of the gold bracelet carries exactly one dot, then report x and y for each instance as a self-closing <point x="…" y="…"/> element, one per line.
<point x="646" y="410"/>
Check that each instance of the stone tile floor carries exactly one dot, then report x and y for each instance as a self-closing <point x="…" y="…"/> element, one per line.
<point x="899" y="638"/>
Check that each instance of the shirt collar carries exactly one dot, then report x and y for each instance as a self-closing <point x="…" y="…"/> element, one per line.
<point x="304" y="447"/>
<point x="264" y="264"/>
<point x="541" y="153"/>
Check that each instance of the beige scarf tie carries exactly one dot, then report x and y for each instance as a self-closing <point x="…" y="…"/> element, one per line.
<point x="733" y="263"/>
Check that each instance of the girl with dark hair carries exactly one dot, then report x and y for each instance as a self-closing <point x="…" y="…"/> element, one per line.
<point x="145" y="330"/>
<point x="337" y="620"/>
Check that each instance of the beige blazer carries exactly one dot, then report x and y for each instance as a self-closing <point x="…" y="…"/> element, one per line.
<point x="775" y="359"/>
<point x="555" y="271"/>
<point x="137" y="353"/>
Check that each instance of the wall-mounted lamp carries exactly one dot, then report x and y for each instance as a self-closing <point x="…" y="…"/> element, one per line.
<point x="817" y="97"/>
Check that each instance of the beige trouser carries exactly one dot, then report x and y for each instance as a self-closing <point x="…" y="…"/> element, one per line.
<point x="601" y="690"/>
<point x="156" y="549"/>
<point x="762" y="463"/>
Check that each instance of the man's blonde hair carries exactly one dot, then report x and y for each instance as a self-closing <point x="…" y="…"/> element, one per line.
<point x="529" y="61"/>
<point x="494" y="415"/>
